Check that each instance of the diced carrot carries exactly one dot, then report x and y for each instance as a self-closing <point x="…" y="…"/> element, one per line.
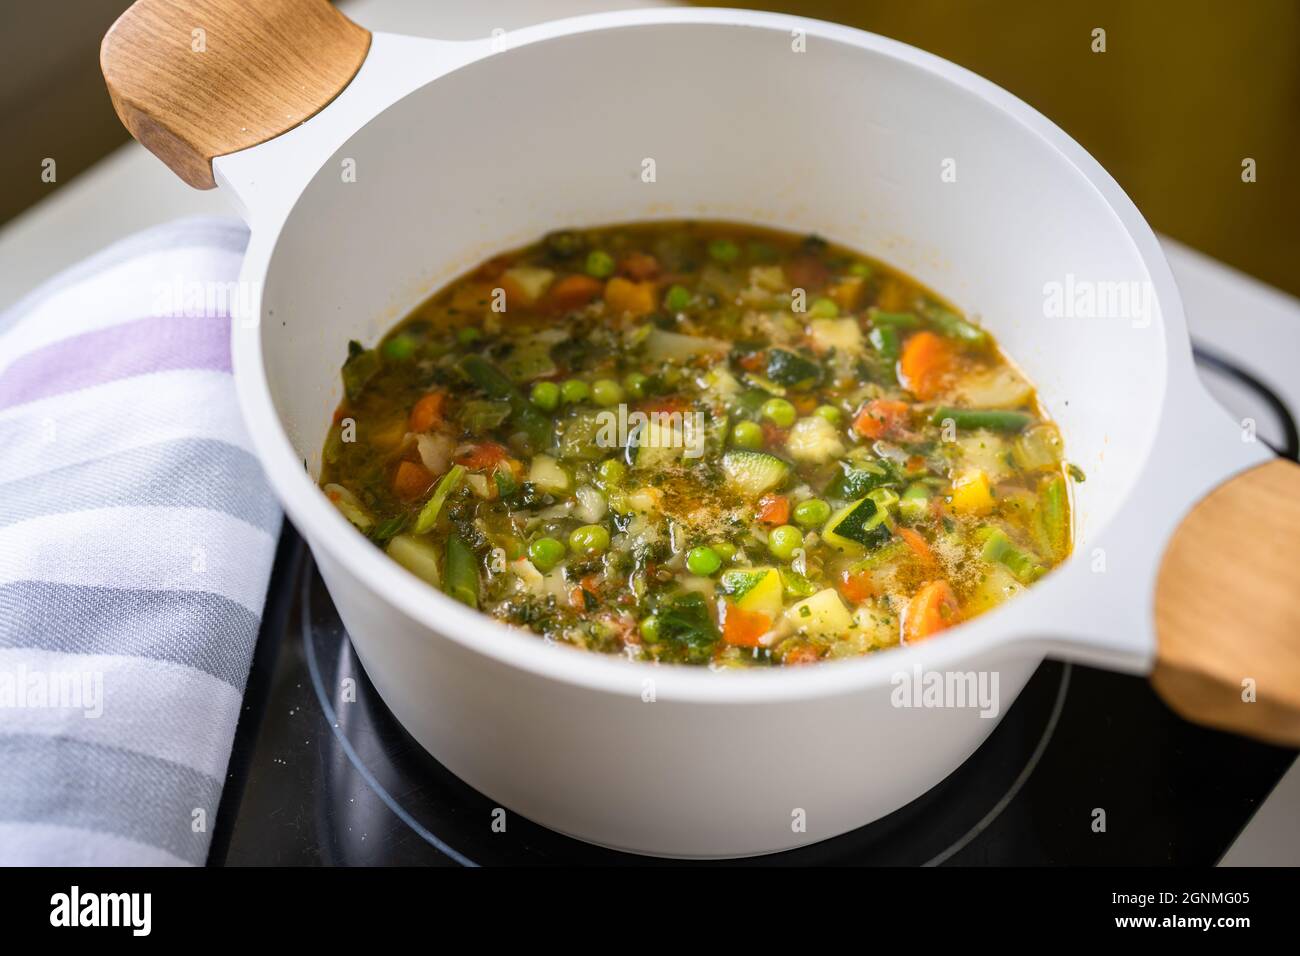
<point x="856" y="586"/>
<point x="881" y="418"/>
<point x="804" y="654"/>
<point x="773" y="510"/>
<point x="917" y="543"/>
<point x="577" y="598"/>
<point x="428" y="411"/>
<point x="743" y="628"/>
<point x="624" y="295"/>
<point x="753" y="362"/>
<point x="639" y="266"/>
<point x="925" y="362"/>
<point x="573" y="292"/>
<point x="931" y="610"/>
<point x="411" y="480"/>
<point x="804" y="404"/>
<point x="483" y="456"/>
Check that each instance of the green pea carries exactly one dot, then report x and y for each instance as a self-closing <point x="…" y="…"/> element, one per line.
<point x="574" y="390"/>
<point x="723" y="250"/>
<point x="468" y="334"/>
<point x="780" y="412"/>
<point x="590" y="539"/>
<point x="724" y="549"/>
<point x="636" y="383"/>
<point x="829" y="412"/>
<point x="399" y="348"/>
<point x="611" y="472"/>
<point x="545" y="553"/>
<point x="824" y="309"/>
<point x="860" y="269"/>
<point x="811" y="513"/>
<point x="747" y="435"/>
<point x="606" y="391"/>
<point x="784" y="541"/>
<point x="545" y="395"/>
<point x="600" y="264"/>
<point x="650" y="629"/>
<point x="677" y="298"/>
<point x="703" y="561"/>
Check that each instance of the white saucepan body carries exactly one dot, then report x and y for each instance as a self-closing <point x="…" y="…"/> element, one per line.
<point x="440" y="154"/>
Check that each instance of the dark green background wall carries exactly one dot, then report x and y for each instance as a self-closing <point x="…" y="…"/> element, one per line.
<point x="1185" y="91"/>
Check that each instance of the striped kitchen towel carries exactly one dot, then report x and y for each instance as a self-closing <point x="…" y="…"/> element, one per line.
<point x="136" y="539"/>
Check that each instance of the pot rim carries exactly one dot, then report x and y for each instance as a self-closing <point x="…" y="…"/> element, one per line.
<point x="328" y="531"/>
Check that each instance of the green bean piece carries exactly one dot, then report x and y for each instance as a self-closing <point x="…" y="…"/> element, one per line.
<point x="433" y="508"/>
<point x="953" y="326"/>
<point x="993" y="419"/>
<point x="460" y="574"/>
<point x="999" y="548"/>
<point x="895" y="320"/>
<point x="1054" y="515"/>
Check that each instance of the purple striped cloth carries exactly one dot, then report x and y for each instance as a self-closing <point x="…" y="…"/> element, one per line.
<point x="136" y="540"/>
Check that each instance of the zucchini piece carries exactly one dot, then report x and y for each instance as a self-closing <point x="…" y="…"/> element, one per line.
<point x="655" y="445"/>
<point x="754" y="589"/>
<point x="580" y="436"/>
<point x="753" y="472"/>
<point x="858" y="478"/>
<point x="862" y="524"/>
<point x="790" y="368"/>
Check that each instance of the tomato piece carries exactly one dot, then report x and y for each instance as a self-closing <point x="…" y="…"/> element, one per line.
<point x="882" y="418"/>
<point x="774" y="510"/>
<point x="483" y="456"/>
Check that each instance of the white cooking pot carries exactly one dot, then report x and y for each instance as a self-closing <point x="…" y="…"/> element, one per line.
<point x="373" y="169"/>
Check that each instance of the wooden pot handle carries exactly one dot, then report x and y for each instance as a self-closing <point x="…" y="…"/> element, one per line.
<point x="1228" y="608"/>
<point x="197" y="79"/>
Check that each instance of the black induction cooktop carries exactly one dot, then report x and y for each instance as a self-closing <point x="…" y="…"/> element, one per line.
<point x="321" y="772"/>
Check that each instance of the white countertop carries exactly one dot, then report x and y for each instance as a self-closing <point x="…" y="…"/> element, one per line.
<point x="130" y="190"/>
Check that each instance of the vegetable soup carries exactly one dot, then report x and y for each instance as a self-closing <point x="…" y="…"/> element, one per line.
<point x="701" y="443"/>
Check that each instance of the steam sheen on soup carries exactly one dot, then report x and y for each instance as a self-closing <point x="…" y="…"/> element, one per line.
<point x="701" y="443"/>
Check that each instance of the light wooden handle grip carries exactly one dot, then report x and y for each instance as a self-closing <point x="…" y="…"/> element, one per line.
<point x="197" y="79"/>
<point x="1228" y="608"/>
